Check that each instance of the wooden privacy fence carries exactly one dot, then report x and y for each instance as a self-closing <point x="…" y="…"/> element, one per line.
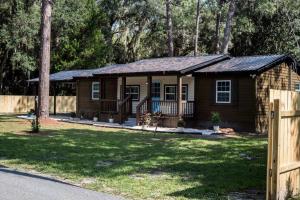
<point x="23" y="104"/>
<point x="283" y="174"/>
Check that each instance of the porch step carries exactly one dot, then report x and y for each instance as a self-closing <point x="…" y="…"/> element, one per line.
<point x="130" y="122"/>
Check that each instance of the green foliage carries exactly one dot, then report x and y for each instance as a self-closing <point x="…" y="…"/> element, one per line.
<point x="215" y="118"/>
<point x="181" y="123"/>
<point x="91" y="34"/>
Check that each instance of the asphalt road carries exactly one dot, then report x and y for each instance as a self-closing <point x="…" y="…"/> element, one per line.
<point x="16" y="185"/>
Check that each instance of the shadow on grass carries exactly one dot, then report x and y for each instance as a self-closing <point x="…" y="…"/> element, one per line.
<point x="212" y="166"/>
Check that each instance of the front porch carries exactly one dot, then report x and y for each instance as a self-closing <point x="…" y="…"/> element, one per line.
<point x="132" y="96"/>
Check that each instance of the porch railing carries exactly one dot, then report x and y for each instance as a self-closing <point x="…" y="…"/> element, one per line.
<point x="167" y="108"/>
<point x="109" y="105"/>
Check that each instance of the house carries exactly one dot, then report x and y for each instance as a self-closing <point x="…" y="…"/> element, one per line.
<point x="185" y="87"/>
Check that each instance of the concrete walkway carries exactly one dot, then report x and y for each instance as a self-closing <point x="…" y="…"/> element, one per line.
<point x="126" y="125"/>
<point x="132" y="126"/>
<point x="16" y="185"/>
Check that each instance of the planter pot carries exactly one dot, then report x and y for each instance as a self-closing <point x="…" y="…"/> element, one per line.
<point x="95" y="119"/>
<point x="111" y="120"/>
<point x="180" y="129"/>
<point x="217" y="128"/>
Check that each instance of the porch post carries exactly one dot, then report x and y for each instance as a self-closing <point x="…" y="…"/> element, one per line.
<point x="179" y="96"/>
<point x="123" y="89"/>
<point x="77" y="99"/>
<point x="149" y="89"/>
<point x="54" y="98"/>
<point x="101" y="94"/>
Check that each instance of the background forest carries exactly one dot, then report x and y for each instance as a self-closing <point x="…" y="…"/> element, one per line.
<point x="93" y="33"/>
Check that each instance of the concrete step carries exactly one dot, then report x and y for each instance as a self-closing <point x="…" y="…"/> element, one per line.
<point x="130" y="122"/>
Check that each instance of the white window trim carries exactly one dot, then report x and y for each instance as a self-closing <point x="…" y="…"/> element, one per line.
<point x="227" y="102"/>
<point x="93" y="91"/>
<point x="176" y="95"/>
<point x="166" y="93"/>
<point x="138" y="93"/>
<point x="297" y="83"/>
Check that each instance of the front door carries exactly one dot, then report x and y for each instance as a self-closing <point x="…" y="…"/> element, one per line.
<point x="110" y="88"/>
<point x="155" y="93"/>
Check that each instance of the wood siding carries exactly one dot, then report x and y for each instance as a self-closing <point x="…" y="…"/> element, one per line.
<point x="86" y="106"/>
<point x="281" y="77"/>
<point x="238" y="114"/>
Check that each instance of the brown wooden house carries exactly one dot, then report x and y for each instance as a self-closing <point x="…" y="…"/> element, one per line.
<point x="185" y="87"/>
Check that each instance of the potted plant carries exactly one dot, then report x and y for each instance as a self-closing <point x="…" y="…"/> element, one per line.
<point x="95" y="118"/>
<point x="72" y="115"/>
<point x="180" y="125"/>
<point x="111" y="118"/>
<point x="30" y="113"/>
<point x="82" y="115"/>
<point x="216" y="120"/>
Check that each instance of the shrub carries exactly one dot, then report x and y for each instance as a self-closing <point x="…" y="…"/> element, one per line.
<point x="146" y="119"/>
<point x="215" y="118"/>
<point x="181" y="123"/>
<point x="31" y="112"/>
<point x="73" y="114"/>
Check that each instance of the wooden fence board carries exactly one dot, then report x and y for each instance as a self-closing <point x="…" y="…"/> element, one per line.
<point x="283" y="177"/>
<point x="22" y="104"/>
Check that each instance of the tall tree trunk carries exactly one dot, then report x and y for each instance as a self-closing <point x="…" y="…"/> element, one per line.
<point x="43" y="100"/>
<point x="169" y="27"/>
<point x="216" y="43"/>
<point x="197" y="28"/>
<point x="227" y="30"/>
<point x="2" y="69"/>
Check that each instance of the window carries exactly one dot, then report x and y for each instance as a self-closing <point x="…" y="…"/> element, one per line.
<point x="95" y="91"/>
<point x="184" y="93"/>
<point x="155" y="90"/>
<point x="171" y="92"/>
<point x="134" y="91"/>
<point x="297" y="87"/>
<point x="223" y="91"/>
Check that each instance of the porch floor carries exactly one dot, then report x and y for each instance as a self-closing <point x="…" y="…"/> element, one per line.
<point x="127" y="125"/>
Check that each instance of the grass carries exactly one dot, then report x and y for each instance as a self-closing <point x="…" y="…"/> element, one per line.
<point x="136" y="165"/>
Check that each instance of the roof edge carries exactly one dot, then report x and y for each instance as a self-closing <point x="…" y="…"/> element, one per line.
<point x="193" y="68"/>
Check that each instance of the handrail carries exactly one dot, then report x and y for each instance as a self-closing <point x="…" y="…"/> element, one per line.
<point x="141" y="103"/>
<point x="124" y="108"/>
<point x="124" y="101"/>
<point x="138" y="109"/>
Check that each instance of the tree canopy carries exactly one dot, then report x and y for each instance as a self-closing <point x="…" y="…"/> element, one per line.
<point x="91" y="34"/>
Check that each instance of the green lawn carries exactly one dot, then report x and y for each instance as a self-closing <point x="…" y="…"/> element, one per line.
<point x="137" y="165"/>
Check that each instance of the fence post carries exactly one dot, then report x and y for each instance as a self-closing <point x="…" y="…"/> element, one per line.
<point x="275" y="150"/>
<point x="270" y="157"/>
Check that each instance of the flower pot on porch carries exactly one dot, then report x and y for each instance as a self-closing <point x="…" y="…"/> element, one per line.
<point x="216" y="128"/>
<point x="111" y="120"/>
<point x="180" y="129"/>
<point x="95" y="119"/>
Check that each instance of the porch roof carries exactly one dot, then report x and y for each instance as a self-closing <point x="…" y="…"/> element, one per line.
<point x="249" y="64"/>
